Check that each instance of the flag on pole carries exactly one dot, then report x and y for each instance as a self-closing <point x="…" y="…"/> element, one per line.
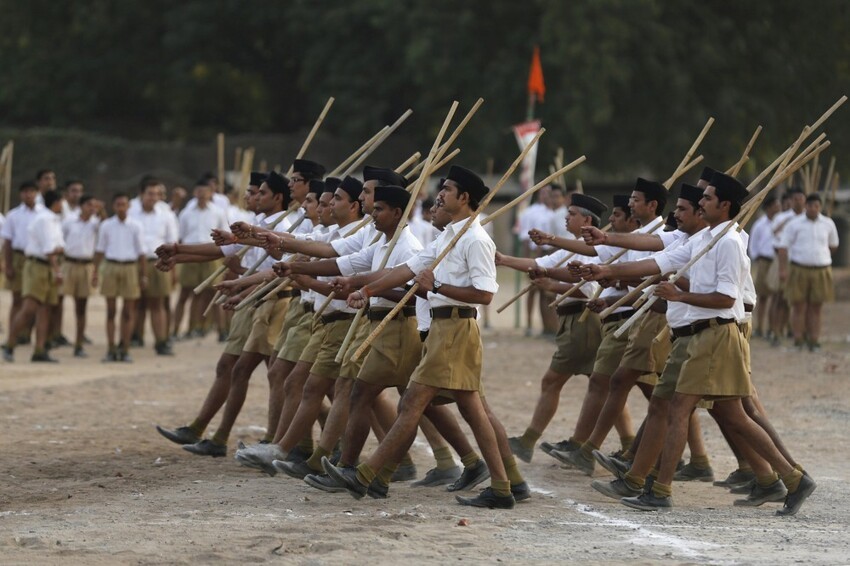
<point x="524" y="133"/>
<point x="536" y="86"/>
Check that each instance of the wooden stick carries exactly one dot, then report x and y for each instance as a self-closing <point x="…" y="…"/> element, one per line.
<point x="437" y="167"/>
<point x="237" y="159"/>
<point x="524" y="195"/>
<point x="220" y="159"/>
<point x="831" y="202"/>
<point x="696" y="144"/>
<point x="342" y="166"/>
<point x="395" y="125"/>
<point x="449" y="246"/>
<point x="312" y="133"/>
<point x="7" y="174"/>
<point x="408" y="162"/>
<point x="586" y="312"/>
<point x="735" y="169"/>
<point x="668" y="184"/>
<point x="827" y="181"/>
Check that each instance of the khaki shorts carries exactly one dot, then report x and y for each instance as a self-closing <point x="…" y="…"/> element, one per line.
<point x="16" y="284"/>
<point x="394" y="354"/>
<point x="577" y="344"/>
<point x="76" y="279"/>
<point x="351" y="368"/>
<point x="193" y="274"/>
<point x="298" y="336"/>
<point x="266" y="321"/>
<point x="291" y="318"/>
<point x="159" y="282"/>
<point x="453" y="355"/>
<point x="638" y="353"/>
<point x="237" y="335"/>
<point x="610" y="350"/>
<point x="38" y="282"/>
<point x="716" y="365"/>
<point x="661" y="346"/>
<point x="809" y="285"/>
<point x="761" y="271"/>
<point x="120" y="280"/>
<point x="332" y="336"/>
<point x="669" y="378"/>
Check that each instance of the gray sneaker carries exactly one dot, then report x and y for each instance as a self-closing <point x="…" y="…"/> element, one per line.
<point x="648" y="502"/>
<point x="563" y="446"/>
<point x="617" y="467"/>
<point x="793" y="501"/>
<point x="471" y="476"/>
<point x="406" y="472"/>
<point x="435" y="477"/>
<point x="760" y="495"/>
<point x="575" y="459"/>
<point x="324" y="482"/>
<point x="206" y="447"/>
<point x="520" y="451"/>
<point x="691" y="473"/>
<point x="298" y="470"/>
<point x="735" y="479"/>
<point x="182" y="435"/>
<point x="616" y="489"/>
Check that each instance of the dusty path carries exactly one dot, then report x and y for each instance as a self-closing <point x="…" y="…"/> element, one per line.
<point x="86" y="479"/>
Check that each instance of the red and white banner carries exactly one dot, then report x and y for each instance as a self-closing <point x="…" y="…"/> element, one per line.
<point x="524" y="133"/>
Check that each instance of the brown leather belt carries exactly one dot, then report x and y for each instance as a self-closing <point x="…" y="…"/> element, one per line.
<point x="699" y="326"/>
<point x="122" y="262"/>
<point x="336" y="316"/>
<point x="748" y="308"/>
<point x="79" y="260"/>
<point x="38" y="260"/>
<point x="446" y="312"/>
<point x="308" y="307"/>
<point x="407" y="311"/>
<point x="570" y="308"/>
<point x="285" y="294"/>
<point x="617" y="316"/>
<point x="795" y="264"/>
<point x="295" y="292"/>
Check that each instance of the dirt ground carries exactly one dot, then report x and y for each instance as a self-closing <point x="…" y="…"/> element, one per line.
<point x="86" y="478"/>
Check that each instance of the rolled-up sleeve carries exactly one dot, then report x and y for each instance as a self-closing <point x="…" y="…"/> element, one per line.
<point x="674" y="259"/>
<point x="423" y="259"/>
<point x="360" y="262"/>
<point x="480" y="258"/>
<point x="729" y="258"/>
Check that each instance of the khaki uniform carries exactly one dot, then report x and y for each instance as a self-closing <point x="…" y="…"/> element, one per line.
<point x="577" y="342"/>
<point x="77" y="278"/>
<point x="716" y="366"/>
<point x="38" y="282"/>
<point x="394" y="354"/>
<point x="120" y="280"/>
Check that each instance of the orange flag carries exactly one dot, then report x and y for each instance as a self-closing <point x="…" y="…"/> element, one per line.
<point x="535" y="76"/>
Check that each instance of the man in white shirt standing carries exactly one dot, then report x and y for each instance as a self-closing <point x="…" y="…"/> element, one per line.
<point x="159" y="226"/>
<point x="807" y="243"/>
<point x="762" y="254"/>
<point x="42" y="277"/>
<point x="120" y="243"/>
<point x="780" y="311"/>
<point x="80" y="233"/>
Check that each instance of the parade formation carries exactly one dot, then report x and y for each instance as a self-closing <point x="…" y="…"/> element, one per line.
<point x="341" y="284"/>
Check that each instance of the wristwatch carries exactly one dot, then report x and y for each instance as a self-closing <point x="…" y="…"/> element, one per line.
<point x="437" y="287"/>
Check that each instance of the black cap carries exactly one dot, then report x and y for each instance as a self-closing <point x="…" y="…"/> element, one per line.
<point x="317" y="187"/>
<point x="706" y="174"/>
<point x="393" y="195"/>
<point x="727" y="187"/>
<point x="387" y="176"/>
<point x="352" y="187"/>
<point x="331" y="184"/>
<point x="257" y="178"/>
<point x="620" y="201"/>
<point x="589" y="203"/>
<point x="690" y="193"/>
<point x="468" y="181"/>
<point x="277" y="183"/>
<point x="652" y="190"/>
<point x="306" y="167"/>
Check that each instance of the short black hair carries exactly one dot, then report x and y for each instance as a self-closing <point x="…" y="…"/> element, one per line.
<point x="768" y="202"/>
<point x="86" y="198"/>
<point x="42" y="172"/>
<point x="120" y="194"/>
<point x="70" y="182"/>
<point x="51" y="197"/>
<point x="150" y="182"/>
<point x="26" y="186"/>
<point x="145" y="180"/>
<point x="813" y="197"/>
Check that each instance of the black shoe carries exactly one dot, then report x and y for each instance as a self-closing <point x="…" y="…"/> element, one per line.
<point x="521" y="492"/>
<point x="163" y="349"/>
<point x="297" y="470"/>
<point x="793" y="501"/>
<point x="405" y="472"/>
<point x="324" y="482"/>
<point x="8" y="354"/>
<point x="111" y="356"/>
<point x="298" y="454"/>
<point x="206" y="447"/>
<point x="563" y="446"/>
<point x="744" y="488"/>
<point x="692" y="473"/>
<point x="760" y="495"/>
<point x="435" y="477"/>
<point x="648" y="502"/>
<point x="137" y="341"/>
<point x="377" y="490"/>
<point x="222" y="335"/>
<point x="575" y="459"/>
<point x="488" y="499"/>
<point x="616" y="489"/>
<point x="79" y="352"/>
<point x="616" y="466"/>
<point x="60" y="341"/>
<point x="471" y="477"/>
<point x="520" y="451"/>
<point x="124" y="356"/>
<point x="347" y="477"/>
<point x="43" y="357"/>
<point x="182" y="435"/>
<point x="735" y="479"/>
<point x="24" y="340"/>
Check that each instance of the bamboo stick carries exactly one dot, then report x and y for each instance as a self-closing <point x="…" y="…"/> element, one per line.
<point x="449" y="246"/>
<point x="827" y="181"/>
<point x="735" y="169"/>
<point x="7" y="175"/>
<point x="395" y="125"/>
<point x="220" y="159"/>
<point x="309" y="139"/>
<point x="342" y="166"/>
<point x="835" y="182"/>
<point x="437" y="167"/>
<point x="237" y="159"/>
<point x="696" y="144"/>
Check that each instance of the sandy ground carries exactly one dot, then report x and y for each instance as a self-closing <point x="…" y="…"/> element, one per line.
<point x="86" y="479"/>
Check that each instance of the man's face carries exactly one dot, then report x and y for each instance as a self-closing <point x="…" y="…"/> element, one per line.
<point x="161" y="193"/>
<point x="773" y="209"/>
<point x="88" y="208"/>
<point x="311" y="206"/>
<point x="386" y="217"/>
<point x="798" y="202"/>
<point x="150" y="197"/>
<point x="440" y="218"/>
<point x="73" y="192"/>
<point x="710" y="207"/>
<point x="639" y="205"/>
<point x="266" y="199"/>
<point x="57" y="206"/>
<point x="557" y="199"/>
<point x="618" y="219"/>
<point x="47" y="182"/>
<point x="449" y="196"/>
<point x="813" y="208"/>
<point x="575" y="221"/>
<point x="687" y="218"/>
<point x="203" y="193"/>
<point x="367" y="196"/>
<point x="299" y="186"/>
<point x="120" y="207"/>
<point x="178" y="196"/>
<point x="786" y="203"/>
<point x="251" y="198"/>
<point x="28" y="197"/>
<point x="326" y="208"/>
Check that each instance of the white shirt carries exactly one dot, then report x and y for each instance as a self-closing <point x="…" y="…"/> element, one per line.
<point x="558" y="218"/>
<point x="334" y="233"/>
<point x="196" y="223"/>
<point x="68" y="212"/>
<point x="472" y="262"/>
<point x="676" y="311"/>
<point x="136" y="205"/>
<point x="266" y="222"/>
<point x="424" y="231"/>
<point x="44" y="234"/>
<point x="356" y="241"/>
<point x="779" y="222"/>
<point x="236" y="214"/>
<point x="722" y="270"/>
<point x="158" y="227"/>
<point x="218" y="199"/>
<point x="370" y="259"/>
<point x="761" y="239"/>
<point x="553" y="259"/>
<point x="80" y="237"/>
<point x="120" y="241"/>
<point x="809" y="241"/>
<point x="15" y="228"/>
<point x="535" y="216"/>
